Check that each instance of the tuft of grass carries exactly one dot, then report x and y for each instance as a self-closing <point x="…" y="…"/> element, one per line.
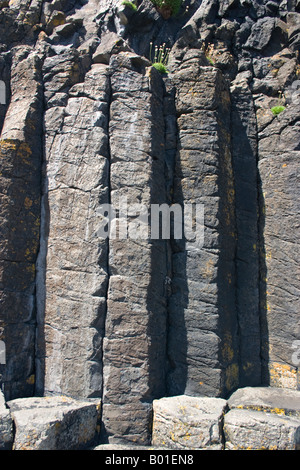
<point x="168" y="7"/>
<point x="161" y="58"/>
<point x="160" y="67"/>
<point x="210" y="53"/>
<point x="277" y="110"/>
<point x="127" y="3"/>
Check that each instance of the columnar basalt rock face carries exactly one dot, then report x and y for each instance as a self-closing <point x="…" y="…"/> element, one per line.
<point x="202" y="308"/>
<point x="244" y="161"/>
<point x="20" y="174"/>
<point x="135" y="330"/>
<point x="279" y="167"/>
<point x="76" y="182"/>
<point x="86" y="122"/>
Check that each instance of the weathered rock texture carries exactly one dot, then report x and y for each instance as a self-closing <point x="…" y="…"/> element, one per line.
<point x="72" y="288"/>
<point x="54" y="423"/>
<point x="184" y="422"/>
<point x="134" y="350"/>
<point x="259" y="418"/>
<point x="86" y="122"/>
<point x="263" y="418"/>
<point x="202" y="336"/>
<point x="6" y="426"/>
<point x="21" y="157"/>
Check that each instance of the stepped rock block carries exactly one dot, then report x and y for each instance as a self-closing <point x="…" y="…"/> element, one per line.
<point x="256" y="430"/>
<point x="54" y="423"/>
<point x="282" y="401"/>
<point x="185" y="422"/>
<point x="263" y="418"/>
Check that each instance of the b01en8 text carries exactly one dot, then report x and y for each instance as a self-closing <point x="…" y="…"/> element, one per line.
<point x="171" y="459"/>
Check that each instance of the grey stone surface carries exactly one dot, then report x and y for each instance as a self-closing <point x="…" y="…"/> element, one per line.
<point x="202" y="317"/>
<point x="278" y="173"/>
<point x="54" y="423"/>
<point x="256" y="430"/>
<point x="185" y="422"/>
<point x="261" y="33"/>
<point x="135" y="330"/>
<point x="6" y="426"/>
<point x="87" y="121"/>
<point x="20" y="174"/>
<point x="282" y="401"/>
<point x="120" y="447"/>
<point x="253" y="418"/>
<point x="263" y="418"/>
<point x="74" y="285"/>
<point x="244" y="156"/>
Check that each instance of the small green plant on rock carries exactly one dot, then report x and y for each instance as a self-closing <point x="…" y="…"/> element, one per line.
<point x="167" y="8"/>
<point x="160" y="67"/>
<point x="279" y="107"/>
<point x="210" y="53"/>
<point x="161" y="58"/>
<point x="129" y="4"/>
<point x="277" y="110"/>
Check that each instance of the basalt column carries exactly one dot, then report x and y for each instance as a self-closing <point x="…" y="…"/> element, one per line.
<point x="135" y="329"/>
<point x="279" y="175"/>
<point x="202" y="336"/>
<point x="244" y="153"/>
<point x="20" y="175"/>
<point x="72" y="268"/>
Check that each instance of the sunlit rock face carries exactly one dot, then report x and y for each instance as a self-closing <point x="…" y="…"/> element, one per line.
<point x="149" y="221"/>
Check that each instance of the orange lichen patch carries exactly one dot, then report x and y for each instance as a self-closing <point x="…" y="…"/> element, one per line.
<point x="57" y="427"/>
<point x="232" y="376"/>
<point x="283" y="375"/>
<point x="27" y="203"/>
<point x="30" y="268"/>
<point x="269" y="254"/>
<point x="194" y="93"/>
<point x="231" y="195"/>
<point x="31" y="379"/>
<point x="58" y="21"/>
<point x="24" y="152"/>
<point x="21" y="149"/>
<point x="8" y="144"/>
<point x="227" y="349"/>
<point x="209" y="270"/>
<point x="277" y="411"/>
